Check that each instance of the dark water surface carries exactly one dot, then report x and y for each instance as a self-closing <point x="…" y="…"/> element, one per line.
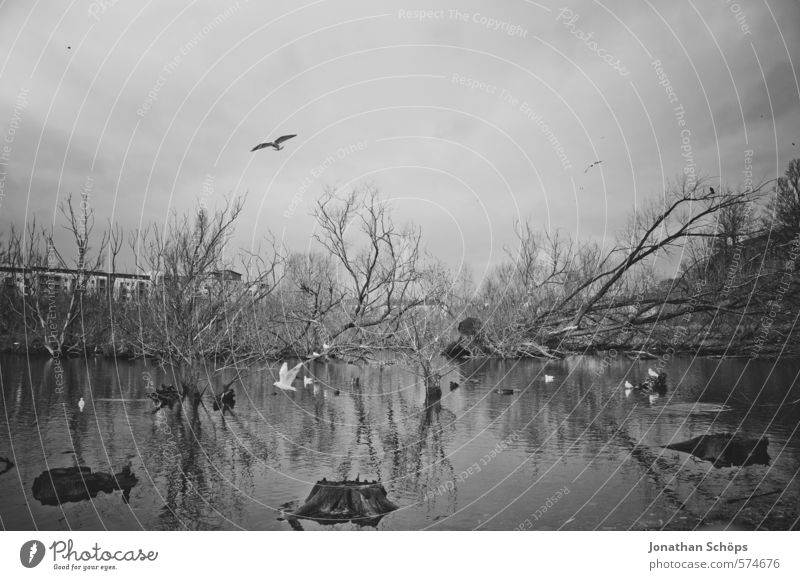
<point x="575" y="453"/>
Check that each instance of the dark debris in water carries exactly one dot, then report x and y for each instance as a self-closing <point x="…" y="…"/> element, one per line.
<point x="7" y="465"/>
<point x="74" y="484"/>
<point x="726" y="450"/>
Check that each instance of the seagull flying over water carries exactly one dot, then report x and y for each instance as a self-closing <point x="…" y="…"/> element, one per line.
<point x="652" y="373"/>
<point x="81" y="404"/>
<point x="307" y="381"/>
<point x="548" y="378"/>
<point x="276" y="144"/>
<point x="287" y="376"/>
<point x="592" y="165"/>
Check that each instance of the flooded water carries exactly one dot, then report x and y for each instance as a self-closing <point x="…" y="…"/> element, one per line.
<point x="572" y="453"/>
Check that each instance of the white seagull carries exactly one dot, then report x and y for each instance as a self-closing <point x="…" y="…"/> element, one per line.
<point x="81" y="404"/>
<point x="628" y="389"/>
<point x="548" y="378"/>
<point x="287" y="377"/>
<point x="652" y="373"/>
<point x="276" y="144"/>
<point x="307" y="381"/>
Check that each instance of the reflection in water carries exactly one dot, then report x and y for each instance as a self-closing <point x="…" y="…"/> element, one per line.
<point x="463" y="459"/>
<point x="73" y="484"/>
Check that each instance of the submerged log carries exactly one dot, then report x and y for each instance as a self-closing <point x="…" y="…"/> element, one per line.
<point x="335" y="502"/>
<point x="726" y="450"/>
<point x="74" y="484"/>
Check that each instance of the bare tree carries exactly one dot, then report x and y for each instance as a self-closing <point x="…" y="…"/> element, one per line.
<point x="197" y="299"/>
<point x="785" y="206"/>
<point x="115" y="243"/>
<point x="584" y="294"/>
<point x="311" y="300"/>
<point x="379" y="264"/>
<point x="420" y="335"/>
<point x="54" y="288"/>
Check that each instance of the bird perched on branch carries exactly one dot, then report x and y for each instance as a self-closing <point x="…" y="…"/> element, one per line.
<point x="276" y="144"/>
<point x="287" y="376"/>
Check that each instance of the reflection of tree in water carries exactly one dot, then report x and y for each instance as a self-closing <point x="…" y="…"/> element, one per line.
<point x="420" y="463"/>
<point x="191" y="462"/>
<point x="364" y="429"/>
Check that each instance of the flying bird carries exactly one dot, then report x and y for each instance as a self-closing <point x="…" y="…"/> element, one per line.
<point x="592" y="165"/>
<point x="286" y="377"/>
<point x="628" y="388"/>
<point x="652" y="373"/>
<point x="307" y="381"/>
<point x="548" y="378"/>
<point x="276" y="144"/>
<point x="81" y="404"/>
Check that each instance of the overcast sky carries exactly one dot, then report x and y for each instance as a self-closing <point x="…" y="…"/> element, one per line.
<point x="466" y="118"/>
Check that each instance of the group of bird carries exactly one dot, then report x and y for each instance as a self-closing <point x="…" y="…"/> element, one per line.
<point x="654" y="386"/>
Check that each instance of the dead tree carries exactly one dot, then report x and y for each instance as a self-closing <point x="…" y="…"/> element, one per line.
<point x="190" y="318"/>
<point x="580" y="295"/>
<point x="378" y="262"/>
<point x="310" y="302"/>
<point x="53" y="289"/>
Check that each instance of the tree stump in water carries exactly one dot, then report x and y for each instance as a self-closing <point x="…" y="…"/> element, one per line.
<point x="335" y="502"/>
<point x="74" y="484"/>
<point x="433" y="387"/>
<point x="726" y="450"/>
